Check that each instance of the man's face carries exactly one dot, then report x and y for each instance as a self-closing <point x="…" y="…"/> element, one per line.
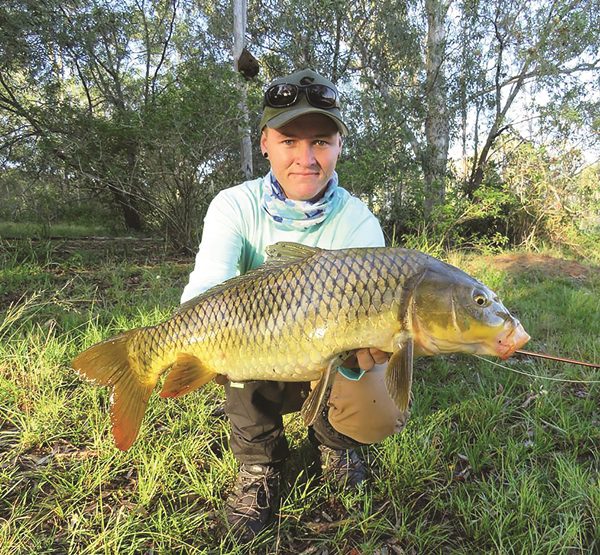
<point x="303" y="155"/>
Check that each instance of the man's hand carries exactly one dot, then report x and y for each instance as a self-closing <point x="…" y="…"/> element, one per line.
<point x="365" y="359"/>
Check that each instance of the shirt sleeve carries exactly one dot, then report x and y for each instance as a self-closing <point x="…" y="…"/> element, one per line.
<point x="220" y="248"/>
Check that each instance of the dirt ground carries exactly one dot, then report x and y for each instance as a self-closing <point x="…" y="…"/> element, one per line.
<point x="552" y="266"/>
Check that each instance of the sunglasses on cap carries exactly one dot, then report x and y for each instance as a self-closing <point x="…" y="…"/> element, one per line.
<point x="287" y="94"/>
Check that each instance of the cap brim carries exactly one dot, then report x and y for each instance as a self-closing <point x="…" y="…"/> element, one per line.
<point x="291" y="114"/>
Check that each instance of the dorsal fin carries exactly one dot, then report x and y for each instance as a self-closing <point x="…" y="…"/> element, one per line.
<point x="285" y="251"/>
<point x="279" y="255"/>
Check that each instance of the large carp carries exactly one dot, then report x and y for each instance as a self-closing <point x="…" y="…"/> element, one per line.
<point x="295" y="319"/>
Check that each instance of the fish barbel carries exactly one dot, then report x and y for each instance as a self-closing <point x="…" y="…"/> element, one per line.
<point x="295" y="319"/>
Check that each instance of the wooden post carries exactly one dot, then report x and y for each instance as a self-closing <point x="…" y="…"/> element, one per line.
<point x="239" y="32"/>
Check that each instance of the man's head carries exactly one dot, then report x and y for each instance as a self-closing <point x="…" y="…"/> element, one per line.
<point x="303" y="154"/>
<point x="302" y="92"/>
<point x="302" y="133"/>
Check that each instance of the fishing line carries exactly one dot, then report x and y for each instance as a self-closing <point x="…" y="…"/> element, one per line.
<point x="536" y="375"/>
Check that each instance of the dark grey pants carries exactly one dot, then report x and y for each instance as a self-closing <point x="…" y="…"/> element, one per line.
<point x="255" y="413"/>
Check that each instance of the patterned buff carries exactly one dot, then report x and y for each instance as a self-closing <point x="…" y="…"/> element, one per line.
<point x="299" y="214"/>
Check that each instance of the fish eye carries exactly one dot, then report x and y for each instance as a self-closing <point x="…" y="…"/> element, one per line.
<point x="481" y="299"/>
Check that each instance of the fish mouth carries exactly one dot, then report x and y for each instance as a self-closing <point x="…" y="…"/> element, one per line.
<point x="511" y="339"/>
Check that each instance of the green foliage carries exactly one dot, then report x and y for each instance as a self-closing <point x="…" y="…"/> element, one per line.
<point x="531" y="195"/>
<point x="127" y="112"/>
<point x="382" y="174"/>
<point x="123" y="101"/>
<point x="189" y="150"/>
<point x="548" y="195"/>
<point x="47" y="199"/>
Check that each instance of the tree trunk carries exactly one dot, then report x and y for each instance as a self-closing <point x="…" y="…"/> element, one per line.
<point x="131" y="215"/>
<point x="239" y="31"/>
<point x="436" y="122"/>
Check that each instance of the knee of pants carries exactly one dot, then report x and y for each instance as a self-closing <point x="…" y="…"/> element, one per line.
<point x="363" y="409"/>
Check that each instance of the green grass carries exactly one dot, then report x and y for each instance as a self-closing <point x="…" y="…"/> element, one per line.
<point x="490" y="462"/>
<point x="26" y="230"/>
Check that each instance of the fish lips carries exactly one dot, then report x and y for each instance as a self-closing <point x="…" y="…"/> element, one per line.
<point x="512" y="338"/>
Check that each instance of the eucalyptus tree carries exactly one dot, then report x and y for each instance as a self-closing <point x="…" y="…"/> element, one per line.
<point x="400" y="62"/>
<point x="466" y="72"/>
<point x="74" y="87"/>
<point x="525" y="66"/>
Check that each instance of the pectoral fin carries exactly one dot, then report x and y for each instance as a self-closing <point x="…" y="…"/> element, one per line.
<point x="398" y="378"/>
<point x="186" y="375"/>
<point x="314" y="403"/>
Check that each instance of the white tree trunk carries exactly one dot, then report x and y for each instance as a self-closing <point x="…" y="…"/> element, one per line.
<point x="437" y="128"/>
<point x="239" y="32"/>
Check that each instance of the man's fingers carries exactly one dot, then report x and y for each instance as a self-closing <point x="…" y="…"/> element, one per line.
<point x="379" y="356"/>
<point x="365" y="360"/>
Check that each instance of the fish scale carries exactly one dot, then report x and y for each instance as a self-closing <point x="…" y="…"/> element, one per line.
<point x="295" y="317"/>
<point x="281" y="322"/>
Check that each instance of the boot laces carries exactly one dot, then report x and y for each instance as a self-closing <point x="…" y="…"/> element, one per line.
<point x="255" y="488"/>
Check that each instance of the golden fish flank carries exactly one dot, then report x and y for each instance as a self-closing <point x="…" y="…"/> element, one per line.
<point x="295" y="318"/>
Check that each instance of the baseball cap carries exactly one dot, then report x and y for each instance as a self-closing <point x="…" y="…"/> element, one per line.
<point x="278" y="117"/>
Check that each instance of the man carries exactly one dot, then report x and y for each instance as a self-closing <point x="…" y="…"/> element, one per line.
<point x="299" y="200"/>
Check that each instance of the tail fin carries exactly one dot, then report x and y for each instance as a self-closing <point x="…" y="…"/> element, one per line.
<point x="108" y="363"/>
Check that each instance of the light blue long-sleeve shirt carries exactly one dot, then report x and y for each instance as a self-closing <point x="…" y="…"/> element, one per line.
<point x="237" y="230"/>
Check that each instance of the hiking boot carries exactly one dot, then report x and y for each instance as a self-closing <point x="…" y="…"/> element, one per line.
<point x="342" y="466"/>
<point x="252" y="501"/>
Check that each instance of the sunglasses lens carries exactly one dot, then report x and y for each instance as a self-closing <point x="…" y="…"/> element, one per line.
<point x="280" y="96"/>
<point x="321" y="96"/>
<point x="285" y="94"/>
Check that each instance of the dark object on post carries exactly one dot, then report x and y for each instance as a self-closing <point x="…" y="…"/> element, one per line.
<point x="247" y="65"/>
